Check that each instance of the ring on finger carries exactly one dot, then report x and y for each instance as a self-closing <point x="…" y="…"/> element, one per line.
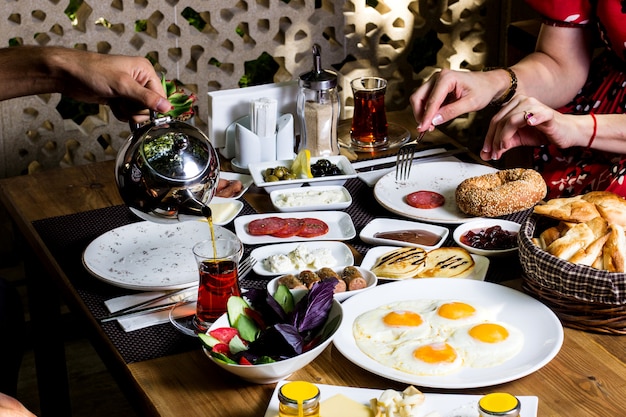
<point x="528" y="115"/>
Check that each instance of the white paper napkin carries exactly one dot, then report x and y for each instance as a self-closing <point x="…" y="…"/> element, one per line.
<point x="149" y="319"/>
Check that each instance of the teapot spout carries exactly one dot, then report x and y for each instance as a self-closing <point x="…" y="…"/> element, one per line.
<point x="192" y="209"/>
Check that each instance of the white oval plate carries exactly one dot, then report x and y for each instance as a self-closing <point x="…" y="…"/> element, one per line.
<point x="256" y="170"/>
<point x="441" y="177"/>
<point x="313" y="196"/>
<point x="148" y="256"/>
<point x="543" y="332"/>
<point x="483" y="224"/>
<point x="390" y="225"/>
<point x="481" y="264"/>
<point x="340" y="227"/>
<point x="246" y="181"/>
<point x="370" y="278"/>
<point x="340" y="251"/>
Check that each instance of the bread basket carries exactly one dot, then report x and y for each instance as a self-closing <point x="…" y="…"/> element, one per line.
<point x="582" y="297"/>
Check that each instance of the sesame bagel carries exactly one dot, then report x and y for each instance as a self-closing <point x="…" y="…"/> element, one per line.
<point x="500" y="193"/>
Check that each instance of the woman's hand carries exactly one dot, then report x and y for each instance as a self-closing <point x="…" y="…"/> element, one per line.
<point x="449" y="94"/>
<point x="525" y="121"/>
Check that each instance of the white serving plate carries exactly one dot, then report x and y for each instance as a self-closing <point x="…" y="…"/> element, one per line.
<point x="390" y="225"/>
<point x="311" y="192"/>
<point x="224" y="210"/>
<point x="340" y="227"/>
<point x="256" y="170"/>
<point x="484" y="224"/>
<point x="441" y="177"/>
<point x="481" y="264"/>
<point x="340" y="251"/>
<point x="446" y="405"/>
<point x="148" y="256"/>
<point x="543" y="332"/>
<point x="246" y="181"/>
<point x="370" y="278"/>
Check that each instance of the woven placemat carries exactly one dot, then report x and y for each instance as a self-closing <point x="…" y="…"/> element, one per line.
<point x="68" y="236"/>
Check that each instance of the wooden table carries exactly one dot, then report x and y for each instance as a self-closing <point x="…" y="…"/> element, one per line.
<point x="587" y="377"/>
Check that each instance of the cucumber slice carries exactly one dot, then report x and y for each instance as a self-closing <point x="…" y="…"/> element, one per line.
<point x="284" y="297"/>
<point x="235" y="307"/>
<point x="208" y="340"/>
<point x="247" y="328"/>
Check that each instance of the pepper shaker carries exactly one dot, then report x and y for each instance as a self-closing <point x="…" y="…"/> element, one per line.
<point x="318" y="109"/>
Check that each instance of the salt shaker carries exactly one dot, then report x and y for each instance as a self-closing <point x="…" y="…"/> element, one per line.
<point x="318" y="109"/>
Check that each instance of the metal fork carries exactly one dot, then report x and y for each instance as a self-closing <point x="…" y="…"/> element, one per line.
<point x="145" y="307"/>
<point x="404" y="160"/>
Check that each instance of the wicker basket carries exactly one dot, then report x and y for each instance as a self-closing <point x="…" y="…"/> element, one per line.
<point x="582" y="297"/>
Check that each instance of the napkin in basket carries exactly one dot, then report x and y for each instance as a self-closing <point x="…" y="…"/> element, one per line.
<point x="141" y="321"/>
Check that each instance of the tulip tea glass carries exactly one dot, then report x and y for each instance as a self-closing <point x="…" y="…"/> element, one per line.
<point x="369" y="122"/>
<point x="218" y="262"/>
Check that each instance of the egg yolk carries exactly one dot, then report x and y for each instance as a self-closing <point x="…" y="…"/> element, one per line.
<point x="435" y="353"/>
<point x="489" y="333"/>
<point x="455" y="311"/>
<point x="403" y="318"/>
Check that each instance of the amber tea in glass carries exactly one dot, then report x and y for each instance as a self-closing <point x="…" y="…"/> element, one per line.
<point x="369" y="121"/>
<point x="218" y="270"/>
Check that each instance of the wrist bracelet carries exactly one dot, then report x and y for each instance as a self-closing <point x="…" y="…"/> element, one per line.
<point x="595" y="129"/>
<point x="510" y="92"/>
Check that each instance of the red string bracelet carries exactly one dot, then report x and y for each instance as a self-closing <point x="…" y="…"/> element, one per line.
<point x="595" y="128"/>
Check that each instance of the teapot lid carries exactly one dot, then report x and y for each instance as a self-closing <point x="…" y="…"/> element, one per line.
<point x="318" y="79"/>
<point x="176" y="150"/>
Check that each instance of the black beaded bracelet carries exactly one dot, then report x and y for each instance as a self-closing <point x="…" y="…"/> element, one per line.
<point x="510" y="92"/>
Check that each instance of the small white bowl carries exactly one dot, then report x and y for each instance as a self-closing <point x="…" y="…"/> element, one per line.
<point x="269" y="373"/>
<point x="370" y="278"/>
<point x="331" y="197"/>
<point x="484" y="224"/>
<point x="257" y="169"/>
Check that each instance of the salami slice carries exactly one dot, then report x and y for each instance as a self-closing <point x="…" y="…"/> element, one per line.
<point x="313" y="227"/>
<point x="266" y="226"/>
<point x="292" y="228"/>
<point x="424" y="199"/>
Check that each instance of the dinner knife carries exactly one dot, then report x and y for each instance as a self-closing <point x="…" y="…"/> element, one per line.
<point x="140" y="311"/>
<point x="415" y="159"/>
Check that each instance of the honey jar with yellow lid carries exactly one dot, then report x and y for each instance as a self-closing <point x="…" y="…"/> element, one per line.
<point x="499" y="404"/>
<point x="299" y="399"/>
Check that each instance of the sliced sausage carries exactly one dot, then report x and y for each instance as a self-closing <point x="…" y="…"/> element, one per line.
<point x="424" y="199"/>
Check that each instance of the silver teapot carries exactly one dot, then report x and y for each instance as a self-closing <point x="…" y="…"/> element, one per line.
<point x="167" y="171"/>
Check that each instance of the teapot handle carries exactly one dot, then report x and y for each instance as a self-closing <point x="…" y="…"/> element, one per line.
<point x="136" y="126"/>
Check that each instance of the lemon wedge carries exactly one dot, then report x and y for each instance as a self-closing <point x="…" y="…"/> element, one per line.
<point x="301" y="166"/>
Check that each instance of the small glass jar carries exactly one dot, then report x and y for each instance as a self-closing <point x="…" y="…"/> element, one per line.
<point x="499" y="404"/>
<point x="318" y="109"/>
<point x="299" y="399"/>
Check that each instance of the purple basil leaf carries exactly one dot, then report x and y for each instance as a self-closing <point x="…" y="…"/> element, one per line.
<point x="312" y="310"/>
<point x="291" y="336"/>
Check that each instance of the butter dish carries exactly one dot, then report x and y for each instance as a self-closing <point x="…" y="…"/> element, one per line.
<point x="332" y="197"/>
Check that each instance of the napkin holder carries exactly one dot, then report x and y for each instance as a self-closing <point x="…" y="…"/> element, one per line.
<point x="250" y="148"/>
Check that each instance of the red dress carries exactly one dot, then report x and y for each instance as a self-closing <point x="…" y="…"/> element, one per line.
<point x="577" y="170"/>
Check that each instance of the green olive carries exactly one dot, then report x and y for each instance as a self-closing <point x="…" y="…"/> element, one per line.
<point x="279" y="172"/>
<point x="272" y="178"/>
<point x="268" y="172"/>
<point x="289" y="176"/>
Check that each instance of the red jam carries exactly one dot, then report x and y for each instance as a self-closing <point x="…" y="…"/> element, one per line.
<point x="491" y="238"/>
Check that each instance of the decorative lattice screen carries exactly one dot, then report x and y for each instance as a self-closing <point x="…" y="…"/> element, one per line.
<point x="401" y="40"/>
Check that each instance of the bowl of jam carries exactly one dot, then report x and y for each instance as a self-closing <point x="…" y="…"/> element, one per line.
<point x="488" y="237"/>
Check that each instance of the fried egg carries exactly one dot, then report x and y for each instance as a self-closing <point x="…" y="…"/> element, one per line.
<point x="448" y="315"/>
<point x="377" y="332"/>
<point x="487" y="344"/>
<point x="434" y="358"/>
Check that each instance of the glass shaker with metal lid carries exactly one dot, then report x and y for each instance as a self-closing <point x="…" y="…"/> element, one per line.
<point x="318" y="109"/>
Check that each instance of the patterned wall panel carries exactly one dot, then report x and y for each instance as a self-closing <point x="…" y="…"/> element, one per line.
<point x="401" y="40"/>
